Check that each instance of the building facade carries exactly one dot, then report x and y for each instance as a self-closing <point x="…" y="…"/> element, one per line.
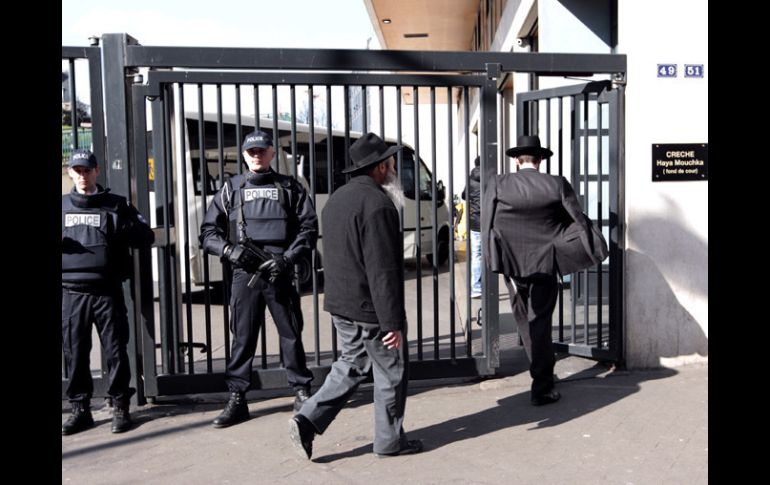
<point x="665" y="235"/>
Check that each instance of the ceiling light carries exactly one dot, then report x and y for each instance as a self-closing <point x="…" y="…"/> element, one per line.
<point x="386" y="21"/>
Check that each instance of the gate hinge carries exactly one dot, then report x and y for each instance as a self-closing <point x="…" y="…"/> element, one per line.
<point x="619" y="79"/>
<point x="493" y="70"/>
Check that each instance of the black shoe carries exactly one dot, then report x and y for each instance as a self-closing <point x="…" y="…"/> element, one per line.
<point x="301" y="434"/>
<point x="547" y="398"/>
<point x="121" y="419"/>
<point x="79" y="420"/>
<point x="235" y="411"/>
<point x="302" y="395"/>
<point x="410" y="448"/>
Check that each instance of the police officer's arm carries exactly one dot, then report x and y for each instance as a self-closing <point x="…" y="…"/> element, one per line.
<point x="381" y="244"/>
<point x="307" y="222"/>
<point x="135" y="230"/>
<point x="213" y="237"/>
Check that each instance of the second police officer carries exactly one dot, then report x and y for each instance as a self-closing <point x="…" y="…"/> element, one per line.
<point x="274" y="212"/>
<point x="98" y="227"/>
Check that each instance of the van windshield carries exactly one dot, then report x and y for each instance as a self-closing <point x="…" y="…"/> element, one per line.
<point x="339" y="179"/>
<point x="407" y="176"/>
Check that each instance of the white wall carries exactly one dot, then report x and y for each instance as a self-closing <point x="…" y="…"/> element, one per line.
<point x="574" y="27"/>
<point x="667" y="234"/>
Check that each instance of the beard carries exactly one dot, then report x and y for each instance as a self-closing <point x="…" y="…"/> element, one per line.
<point x="395" y="191"/>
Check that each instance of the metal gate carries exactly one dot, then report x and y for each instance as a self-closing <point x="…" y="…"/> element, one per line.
<point x="175" y="134"/>
<point x="582" y="125"/>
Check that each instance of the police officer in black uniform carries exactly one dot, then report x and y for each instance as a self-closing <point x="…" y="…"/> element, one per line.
<point x="274" y="212"/>
<point x="97" y="229"/>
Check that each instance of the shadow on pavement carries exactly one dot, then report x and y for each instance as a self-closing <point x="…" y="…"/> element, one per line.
<point x="165" y="410"/>
<point x="582" y="393"/>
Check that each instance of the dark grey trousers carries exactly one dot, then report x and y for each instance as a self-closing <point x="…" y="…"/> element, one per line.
<point x="362" y="350"/>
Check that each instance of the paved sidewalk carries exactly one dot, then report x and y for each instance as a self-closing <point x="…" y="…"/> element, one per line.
<point x="639" y="427"/>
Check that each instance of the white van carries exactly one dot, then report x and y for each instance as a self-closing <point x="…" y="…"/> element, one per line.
<point x="285" y="159"/>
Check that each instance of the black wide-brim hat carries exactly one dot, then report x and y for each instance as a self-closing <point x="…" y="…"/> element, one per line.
<point x="528" y="145"/>
<point x="368" y="150"/>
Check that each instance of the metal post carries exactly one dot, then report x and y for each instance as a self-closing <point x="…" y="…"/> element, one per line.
<point x="117" y="82"/>
<point x="490" y="297"/>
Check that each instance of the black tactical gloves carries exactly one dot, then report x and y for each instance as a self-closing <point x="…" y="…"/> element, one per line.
<point x="276" y="267"/>
<point x="240" y="257"/>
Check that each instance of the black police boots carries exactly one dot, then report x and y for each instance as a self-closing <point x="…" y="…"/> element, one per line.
<point x="80" y="419"/>
<point x="235" y="411"/>
<point x="302" y="395"/>
<point x="121" y="419"/>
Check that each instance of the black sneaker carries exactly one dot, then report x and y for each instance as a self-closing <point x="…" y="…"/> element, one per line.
<point x="301" y="434"/>
<point x="410" y="448"/>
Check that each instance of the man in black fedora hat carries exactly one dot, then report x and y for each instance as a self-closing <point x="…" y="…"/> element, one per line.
<point x="530" y="220"/>
<point x="364" y="292"/>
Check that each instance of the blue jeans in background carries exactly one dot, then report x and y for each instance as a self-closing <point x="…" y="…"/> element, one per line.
<point x="475" y="263"/>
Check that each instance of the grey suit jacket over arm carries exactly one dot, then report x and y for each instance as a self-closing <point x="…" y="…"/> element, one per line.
<point x="532" y="223"/>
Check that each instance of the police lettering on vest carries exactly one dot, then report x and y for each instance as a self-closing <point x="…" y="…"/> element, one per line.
<point x="264" y="216"/>
<point x="73" y="219"/>
<point x="260" y="193"/>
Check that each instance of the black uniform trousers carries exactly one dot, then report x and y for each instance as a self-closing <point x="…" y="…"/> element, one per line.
<point x="108" y="312"/>
<point x="532" y="303"/>
<point x="362" y="350"/>
<point x="247" y="308"/>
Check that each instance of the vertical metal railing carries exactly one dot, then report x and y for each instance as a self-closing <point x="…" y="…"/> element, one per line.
<point x="175" y="204"/>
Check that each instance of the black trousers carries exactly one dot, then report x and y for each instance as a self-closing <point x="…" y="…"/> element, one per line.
<point x="247" y="315"/>
<point x="108" y="312"/>
<point x="532" y="303"/>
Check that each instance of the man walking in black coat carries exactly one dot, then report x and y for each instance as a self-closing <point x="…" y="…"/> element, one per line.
<point x="364" y="292"/>
<point x="536" y="228"/>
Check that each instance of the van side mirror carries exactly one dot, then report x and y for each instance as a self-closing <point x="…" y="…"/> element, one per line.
<point x="440" y="194"/>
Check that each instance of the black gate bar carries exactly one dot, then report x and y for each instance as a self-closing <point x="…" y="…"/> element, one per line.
<point x="550" y="64"/>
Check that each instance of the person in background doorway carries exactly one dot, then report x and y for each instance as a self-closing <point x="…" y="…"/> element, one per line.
<point x="472" y="194"/>
<point x="98" y="228"/>
<point x="275" y="213"/>
<point x="364" y="292"/>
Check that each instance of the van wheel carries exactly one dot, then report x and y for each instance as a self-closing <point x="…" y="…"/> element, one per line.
<point x="442" y="247"/>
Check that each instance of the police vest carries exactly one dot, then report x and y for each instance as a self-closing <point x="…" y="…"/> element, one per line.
<point x="86" y="233"/>
<point x="259" y="212"/>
